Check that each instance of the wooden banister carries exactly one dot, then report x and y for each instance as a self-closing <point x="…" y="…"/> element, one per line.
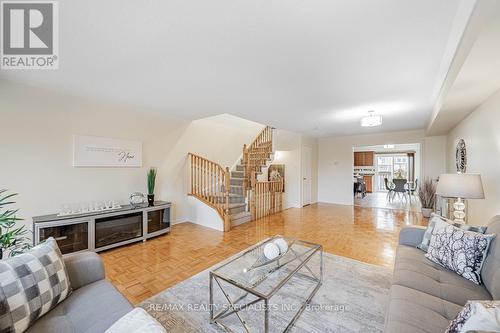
<point x="256" y="154"/>
<point x="211" y="183"/>
<point x="266" y="197"/>
<point x="264" y="136"/>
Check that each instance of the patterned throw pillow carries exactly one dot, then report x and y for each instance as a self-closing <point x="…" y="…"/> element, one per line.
<point x="459" y="250"/>
<point x="477" y="316"/>
<point x="31" y="284"/>
<point x="432" y="222"/>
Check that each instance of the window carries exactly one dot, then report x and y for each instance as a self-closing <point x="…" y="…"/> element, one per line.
<point x="400" y="167"/>
<point x="390" y="167"/>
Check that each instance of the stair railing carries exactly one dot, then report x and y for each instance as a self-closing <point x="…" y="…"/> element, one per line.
<point x="210" y="183"/>
<point x="256" y="154"/>
<point x="266" y="197"/>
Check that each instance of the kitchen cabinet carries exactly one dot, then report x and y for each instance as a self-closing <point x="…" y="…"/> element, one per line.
<point x="368" y="183"/>
<point x="363" y="158"/>
<point x="358" y="159"/>
<point x="368" y="158"/>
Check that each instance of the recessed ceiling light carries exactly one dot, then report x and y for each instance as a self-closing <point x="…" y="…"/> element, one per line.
<point x="389" y="146"/>
<point x="372" y="120"/>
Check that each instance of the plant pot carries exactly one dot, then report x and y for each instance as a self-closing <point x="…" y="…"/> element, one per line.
<point x="151" y="200"/>
<point x="427" y="212"/>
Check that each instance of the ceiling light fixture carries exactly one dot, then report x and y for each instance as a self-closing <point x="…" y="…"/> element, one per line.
<point x="372" y="120"/>
<point x="389" y="146"/>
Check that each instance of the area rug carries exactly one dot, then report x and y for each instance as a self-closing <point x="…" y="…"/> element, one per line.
<point x="353" y="298"/>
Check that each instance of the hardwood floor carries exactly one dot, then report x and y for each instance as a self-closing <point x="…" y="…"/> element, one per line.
<point x="366" y="234"/>
<point x="379" y="200"/>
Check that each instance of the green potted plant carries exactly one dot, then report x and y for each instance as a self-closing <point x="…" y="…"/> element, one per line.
<point x="427" y="195"/>
<point x="12" y="239"/>
<point x="151" y="186"/>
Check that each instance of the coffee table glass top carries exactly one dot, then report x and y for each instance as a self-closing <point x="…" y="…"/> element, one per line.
<point x="252" y="271"/>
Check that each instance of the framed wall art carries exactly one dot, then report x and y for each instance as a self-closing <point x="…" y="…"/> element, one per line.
<point x="92" y="151"/>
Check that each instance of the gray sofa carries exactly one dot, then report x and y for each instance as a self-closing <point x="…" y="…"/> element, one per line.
<point x="93" y="306"/>
<point x="424" y="296"/>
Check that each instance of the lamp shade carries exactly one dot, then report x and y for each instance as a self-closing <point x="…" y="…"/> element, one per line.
<point x="460" y="185"/>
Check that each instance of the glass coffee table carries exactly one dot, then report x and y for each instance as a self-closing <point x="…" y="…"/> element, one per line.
<point x="248" y="283"/>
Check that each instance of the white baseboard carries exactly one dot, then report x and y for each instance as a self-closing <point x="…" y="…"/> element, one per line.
<point x="180" y="220"/>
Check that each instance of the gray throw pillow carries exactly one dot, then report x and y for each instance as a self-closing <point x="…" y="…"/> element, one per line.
<point x="31" y="284"/>
<point x="459" y="250"/>
<point x="432" y="222"/>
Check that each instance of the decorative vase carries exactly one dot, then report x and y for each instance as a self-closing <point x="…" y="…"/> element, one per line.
<point x="427" y="212"/>
<point x="151" y="200"/>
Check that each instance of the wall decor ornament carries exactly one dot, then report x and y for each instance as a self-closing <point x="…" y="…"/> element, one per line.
<point x="88" y="207"/>
<point x="461" y="156"/>
<point x="92" y="151"/>
<point x="137" y="199"/>
<point x="276" y="172"/>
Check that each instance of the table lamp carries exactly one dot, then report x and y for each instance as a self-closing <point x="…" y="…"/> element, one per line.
<point x="460" y="186"/>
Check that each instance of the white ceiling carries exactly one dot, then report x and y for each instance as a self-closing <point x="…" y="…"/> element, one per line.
<point x="478" y="76"/>
<point x="313" y="66"/>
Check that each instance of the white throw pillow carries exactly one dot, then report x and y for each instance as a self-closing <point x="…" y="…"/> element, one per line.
<point x="477" y="316"/>
<point x="426" y="239"/>
<point x="136" y="321"/>
<point x="459" y="250"/>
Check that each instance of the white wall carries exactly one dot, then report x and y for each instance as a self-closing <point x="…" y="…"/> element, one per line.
<point x="219" y="138"/>
<point x="418" y="164"/>
<point x="202" y="214"/>
<point x="435" y="150"/>
<point x="481" y="132"/>
<point x="36" y="150"/>
<point x="335" y="161"/>
<point x="288" y="146"/>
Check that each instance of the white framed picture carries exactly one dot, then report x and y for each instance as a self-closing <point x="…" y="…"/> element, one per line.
<point x="93" y="151"/>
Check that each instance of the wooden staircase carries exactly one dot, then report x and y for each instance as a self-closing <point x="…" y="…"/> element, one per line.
<point x="232" y="193"/>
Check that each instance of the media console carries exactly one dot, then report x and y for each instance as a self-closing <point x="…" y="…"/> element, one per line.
<point x="98" y="231"/>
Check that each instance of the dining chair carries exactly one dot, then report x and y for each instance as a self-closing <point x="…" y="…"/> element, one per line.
<point x="400" y="187"/>
<point x="389" y="188"/>
<point x="413" y="189"/>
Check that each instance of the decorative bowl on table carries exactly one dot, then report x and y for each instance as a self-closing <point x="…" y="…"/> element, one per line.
<point x="270" y="252"/>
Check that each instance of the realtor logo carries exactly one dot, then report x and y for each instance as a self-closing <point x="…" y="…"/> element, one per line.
<point x="29" y="33"/>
